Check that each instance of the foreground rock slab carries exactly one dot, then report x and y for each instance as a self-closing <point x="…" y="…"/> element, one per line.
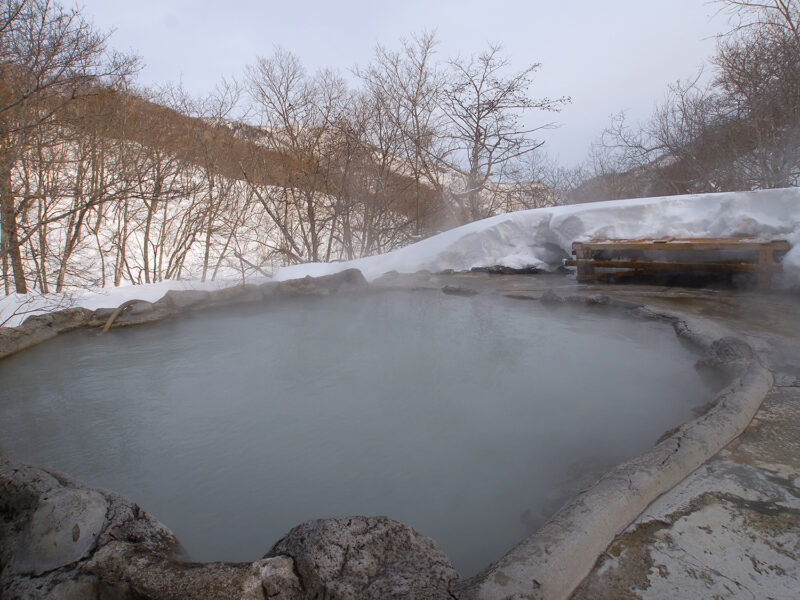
<point x="60" y="539"/>
<point x="730" y="530"/>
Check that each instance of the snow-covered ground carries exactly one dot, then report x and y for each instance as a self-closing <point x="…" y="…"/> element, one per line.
<point x="541" y="238"/>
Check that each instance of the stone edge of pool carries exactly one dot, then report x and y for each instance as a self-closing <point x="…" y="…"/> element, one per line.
<point x="550" y="563"/>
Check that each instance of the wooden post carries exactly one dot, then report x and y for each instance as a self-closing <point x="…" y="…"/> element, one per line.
<point x="765" y="259"/>
<point x="583" y="257"/>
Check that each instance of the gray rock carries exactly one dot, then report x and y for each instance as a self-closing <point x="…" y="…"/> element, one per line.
<point x="226" y="295"/>
<point x="268" y="289"/>
<point x="182" y="299"/>
<point x="597" y="300"/>
<point x="101" y="314"/>
<point x="347" y="280"/>
<point x="387" y="277"/>
<point x="62" y="530"/>
<point x="366" y="557"/>
<point x="9" y="340"/>
<point x="14" y="339"/>
<point x="140" y="308"/>
<point x="237" y="294"/>
<point x="156" y="577"/>
<point x="457" y="290"/>
<point x="728" y="354"/>
<point x="550" y="297"/>
<point x="307" y="286"/>
<point x="62" y="540"/>
<point x="60" y="321"/>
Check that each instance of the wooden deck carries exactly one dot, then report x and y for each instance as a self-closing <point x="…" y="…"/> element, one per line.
<point x="615" y="258"/>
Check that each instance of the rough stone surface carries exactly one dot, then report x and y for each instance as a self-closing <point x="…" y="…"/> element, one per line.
<point x="550" y="297"/>
<point x="100" y="315"/>
<point x="61" y="530"/>
<point x="730" y="530"/>
<point x="728" y="353"/>
<point x="130" y="317"/>
<point x="550" y="563"/>
<point x="457" y="290"/>
<point x="39" y="328"/>
<point x="60" y="321"/>
<point x="366" y="557"/>
<point x="60" y="539"/>
<point x="226" y="295"/>
<point x="182" y="299"/>
<point x="140" y="308"/>
<point x="347" y="280"/>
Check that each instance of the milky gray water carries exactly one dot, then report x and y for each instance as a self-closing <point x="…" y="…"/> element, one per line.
<point x="471" y="419"/>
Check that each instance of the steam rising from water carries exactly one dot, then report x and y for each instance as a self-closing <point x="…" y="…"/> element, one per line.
<point x="470" y="419"/>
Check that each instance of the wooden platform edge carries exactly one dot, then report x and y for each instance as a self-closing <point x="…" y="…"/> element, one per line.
<point x="767" y="254"/>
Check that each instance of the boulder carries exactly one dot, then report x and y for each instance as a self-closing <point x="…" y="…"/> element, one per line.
<point x="59" y="321"/>
<point x="14" y="339"/>
<point x="60" y="539"/>
<point x="182" y="299"/>
<point x="366" y="558"/>
<point x="347" y="280"/>
<point x="306" y="286"/>
<point x="61" y="530"/>
<point x="550" y="297"/>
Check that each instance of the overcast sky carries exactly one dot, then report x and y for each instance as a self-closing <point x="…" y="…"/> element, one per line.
<point x="608" y="56"/>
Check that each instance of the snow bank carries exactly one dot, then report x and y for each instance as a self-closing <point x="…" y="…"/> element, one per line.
<point x="543" y="237"/>
<point x="15" y="308"/>
<point x="540" y="238"/>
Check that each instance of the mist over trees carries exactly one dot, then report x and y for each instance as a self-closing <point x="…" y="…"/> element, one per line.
<point x="735" y="126"/>
<point x="103" y="182"/>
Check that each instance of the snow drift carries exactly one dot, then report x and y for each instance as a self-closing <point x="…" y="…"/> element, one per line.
<point x="543" y="237"/>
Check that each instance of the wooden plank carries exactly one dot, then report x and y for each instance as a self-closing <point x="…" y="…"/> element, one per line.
<point x="653" y="265"/>
<point x="683" y="244"/>
<point x="668" y="240"/>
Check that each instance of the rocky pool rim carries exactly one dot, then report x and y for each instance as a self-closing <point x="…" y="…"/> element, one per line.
<point x="551" y="562"/>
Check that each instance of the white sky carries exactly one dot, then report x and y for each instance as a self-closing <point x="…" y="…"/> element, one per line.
<point x="608" y="55"/>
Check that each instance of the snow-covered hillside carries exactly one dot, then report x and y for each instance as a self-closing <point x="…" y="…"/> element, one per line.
<point x="540" y="238"/>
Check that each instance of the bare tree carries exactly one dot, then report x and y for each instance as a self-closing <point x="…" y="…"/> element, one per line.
<point x="49" y="58"/>
<point x="758" y="76"/>
<point x="405" y="87"/>
<point x="780" y="18"/>
<point x="739" y="131"/>
<point x="296" y="115"/>
<point x="486" y="108"/>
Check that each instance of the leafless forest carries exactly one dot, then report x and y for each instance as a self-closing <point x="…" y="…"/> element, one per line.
<point x="104" y="182"/>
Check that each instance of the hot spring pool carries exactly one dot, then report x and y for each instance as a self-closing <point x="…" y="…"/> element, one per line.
<point x="470" y="419"/>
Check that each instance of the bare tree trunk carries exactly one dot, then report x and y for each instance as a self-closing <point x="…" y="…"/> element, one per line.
<point x="6" y="282"/>
<point x="209" y="226"/>
<point x="8" y="224"/>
